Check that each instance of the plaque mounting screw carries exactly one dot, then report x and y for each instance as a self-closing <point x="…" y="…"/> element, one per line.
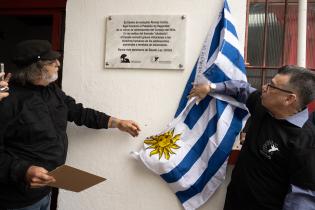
<point x="109" y="17"/>
<point x="183" y="17"/>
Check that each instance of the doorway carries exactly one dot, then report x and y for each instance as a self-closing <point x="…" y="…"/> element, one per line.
<point x="32" y="19"/>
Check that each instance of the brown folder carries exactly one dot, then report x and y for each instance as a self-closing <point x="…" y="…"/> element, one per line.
<point x="73" y="179"/>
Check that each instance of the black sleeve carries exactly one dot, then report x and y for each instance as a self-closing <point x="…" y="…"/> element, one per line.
<point x="252" y="101"/>
<point x="84" y="116"/>
<point x="302" y="160"/>
<point x="303" y="169"/>
<point x="12" y="169"/>
<point x="247" y="125"/>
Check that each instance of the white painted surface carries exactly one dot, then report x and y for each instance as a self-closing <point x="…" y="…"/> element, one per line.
<point x="148" y="96"/>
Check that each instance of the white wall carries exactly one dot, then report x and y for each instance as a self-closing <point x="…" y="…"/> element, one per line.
<point x="147" y="96"/>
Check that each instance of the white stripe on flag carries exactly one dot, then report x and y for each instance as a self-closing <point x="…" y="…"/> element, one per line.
<point x="211" y="187"/>
<point x="229" y="17"/>
<point x="230" y="38"/>
<point x="229" y="68"/>
<point x="201" y="164"/>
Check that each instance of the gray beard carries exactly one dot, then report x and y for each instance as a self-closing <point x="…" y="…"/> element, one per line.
<point x="49" y="78"/>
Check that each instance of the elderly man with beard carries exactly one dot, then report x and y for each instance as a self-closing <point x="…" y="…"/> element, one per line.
<point x="276" y="166"/>
<point x="33" y="121"/>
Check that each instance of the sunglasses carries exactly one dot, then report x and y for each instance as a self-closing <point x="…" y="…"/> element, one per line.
<point x="274" y="87"/>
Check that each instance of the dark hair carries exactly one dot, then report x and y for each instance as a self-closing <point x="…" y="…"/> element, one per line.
<point x="302" y="81"/>
<point x="30" y="73"/>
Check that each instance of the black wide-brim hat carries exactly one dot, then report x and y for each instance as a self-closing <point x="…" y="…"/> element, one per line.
<point x="31" y="51"/>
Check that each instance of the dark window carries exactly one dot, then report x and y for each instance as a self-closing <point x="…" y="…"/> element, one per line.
<point x="17" y="28"/>
<point x="272" y="29"/>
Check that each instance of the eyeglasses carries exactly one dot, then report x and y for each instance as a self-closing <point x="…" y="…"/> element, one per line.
<point x="274" y="87"/>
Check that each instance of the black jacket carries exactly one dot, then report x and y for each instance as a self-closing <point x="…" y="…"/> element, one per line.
<point x="33" y="122"/>
<point x="270" y="160"/>
<point x="302" y="159"/>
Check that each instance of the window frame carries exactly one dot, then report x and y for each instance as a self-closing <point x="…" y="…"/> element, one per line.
<point x="264" y="68"/>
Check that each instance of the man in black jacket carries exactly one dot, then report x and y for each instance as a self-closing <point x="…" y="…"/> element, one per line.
<point x="33" y="121"/>
<point x="279" y="149"/>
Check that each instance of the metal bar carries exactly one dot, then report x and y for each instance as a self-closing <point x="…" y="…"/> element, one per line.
<point x="263" y="73"/>
<point x="302" y="29"/>
<point x="284" y="30"/>
<point x="246" y="32"/>
<point x="269" y="67"/>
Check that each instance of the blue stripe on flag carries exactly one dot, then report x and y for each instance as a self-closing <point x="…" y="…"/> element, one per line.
<point x="226" y="6"/>
<point x="216" y="38"/>
<point x="188" y="87"/>
<point x="215" y="74"/>
<point x="196" y="112"/>
<point x="234" y="56"/>
<point x="176" y="173"/>
<point x="230" y="27"/>
<point x="218" y="157"/>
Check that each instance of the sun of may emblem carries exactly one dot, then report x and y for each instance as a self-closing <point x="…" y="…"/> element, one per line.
<point x="163" y="144"/>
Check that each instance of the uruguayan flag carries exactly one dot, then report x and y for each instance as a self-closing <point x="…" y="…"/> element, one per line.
<point x="191" y="153"/>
